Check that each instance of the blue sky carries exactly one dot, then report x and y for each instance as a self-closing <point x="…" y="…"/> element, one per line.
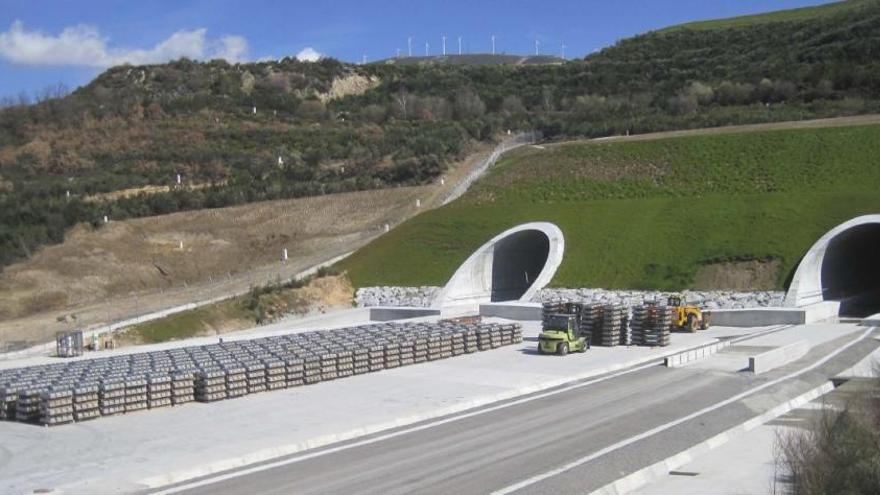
<point x="71" y="41"/>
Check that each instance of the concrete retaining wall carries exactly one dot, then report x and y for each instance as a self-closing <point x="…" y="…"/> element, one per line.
<point x="772" y="359"/>
<point x="513" y="311"/>
<point x="395" y="313"/>
<point x="757" y="317"/>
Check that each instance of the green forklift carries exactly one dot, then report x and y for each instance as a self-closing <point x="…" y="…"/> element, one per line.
<point x="562" y="335"/>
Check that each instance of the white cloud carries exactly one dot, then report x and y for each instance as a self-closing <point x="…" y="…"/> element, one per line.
<point x="309" y="54"/>
<point x="232" y="49"/>
<point x="83" y="45"/>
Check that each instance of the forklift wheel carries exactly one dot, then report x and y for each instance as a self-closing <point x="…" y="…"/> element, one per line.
<point x="562" y="349"/>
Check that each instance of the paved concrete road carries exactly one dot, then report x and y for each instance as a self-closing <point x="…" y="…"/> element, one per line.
<point x="502" y="447"/>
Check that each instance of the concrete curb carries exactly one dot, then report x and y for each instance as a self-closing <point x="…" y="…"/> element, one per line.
<point x="159" y="481"/>
<point x="643" y="476"/>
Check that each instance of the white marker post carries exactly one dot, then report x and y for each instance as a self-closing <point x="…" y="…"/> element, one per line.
<point x="387" y="227"/>
<point x="178" y="179"/>
<point x="418" y="203"/>
<point x="106" y="220"/>
<point x="284" y="255"/>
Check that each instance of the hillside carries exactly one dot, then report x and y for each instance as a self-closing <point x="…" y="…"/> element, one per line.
<point x="276" y="130"/>
<point x="771" y="17"/>
<point x="650" y="214"/>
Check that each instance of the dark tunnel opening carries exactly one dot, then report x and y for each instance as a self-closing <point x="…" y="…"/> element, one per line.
<point x="516" y="262"/>
<point x="851" y="271"/>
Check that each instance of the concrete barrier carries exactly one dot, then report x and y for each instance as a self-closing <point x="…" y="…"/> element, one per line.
<point x="871" y="321"/>
<point x="762" y="317"/>
<point x="389" y="313"/>
<point x="774" y="358"/>
<point x="692" y="355"/>
<point x="757" y="317"/>
<point x="513" y="310"/>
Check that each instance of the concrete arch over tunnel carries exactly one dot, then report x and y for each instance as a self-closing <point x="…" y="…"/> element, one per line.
<point x="512" y="266"/>
<point x="842" y="266"/>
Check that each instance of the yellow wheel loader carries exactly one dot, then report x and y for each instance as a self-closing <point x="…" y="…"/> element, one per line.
<point x="687" y="316"/>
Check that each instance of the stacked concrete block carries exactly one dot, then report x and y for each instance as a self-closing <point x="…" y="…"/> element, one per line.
<point x="407" y="352"/>
<point x="377" y="357"/>
<point x="420" y="350"/>
<point x="56" y="406"/>
<point x="182" y="387"/>
<point x="256" y="377"/>
<point x="361" y="358"/>
<point x="614" y="330"/>
<point x="294" y="371"/>
<point x="392" y="355"/>
<point x="312" y="373"/>
<point x="328" y="366"/>
<point x="111" y="396"/>
<point x="27" y="407"/>
<point x="210" y="385"/>
<point x="85" y="402"/>
<point x="158" y="389"/>
<point x="8" y="399"/>
<point x="650" y="325"/>
<point x="235" y="378"/>
<point x="135" y="393"/>
<point x="276" y="375"/>
<point x="85" y="389"/>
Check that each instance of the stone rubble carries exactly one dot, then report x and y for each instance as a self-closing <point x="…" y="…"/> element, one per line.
<point x="417" y="297"/>
<point x="423" y="297"/>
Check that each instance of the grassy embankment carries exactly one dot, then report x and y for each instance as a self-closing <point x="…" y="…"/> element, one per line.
<point x="789" y="15"/>
<point x="648" y="214"/>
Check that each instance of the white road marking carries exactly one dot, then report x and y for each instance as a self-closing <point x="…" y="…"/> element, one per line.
<point x="299" y="458"/>
<point x="653" y="431"/>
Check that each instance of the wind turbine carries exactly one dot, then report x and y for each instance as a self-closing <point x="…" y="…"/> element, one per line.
<point x="563" y="50"/>
<point x="493" y="44"/>
<point x="426" y="48"/>
<point x="409" y="45"/>
<point x="459" y="45"/>
<point x="537" y="46"/>
<point x="398" y="53"/>
<point x="444" y="45"/>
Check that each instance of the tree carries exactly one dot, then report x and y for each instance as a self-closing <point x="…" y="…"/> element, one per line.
<point x="468" y="105"/>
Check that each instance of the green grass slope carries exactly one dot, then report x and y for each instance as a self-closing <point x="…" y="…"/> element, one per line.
<point x="648" y="214"/>
<point x="776" y="16"/>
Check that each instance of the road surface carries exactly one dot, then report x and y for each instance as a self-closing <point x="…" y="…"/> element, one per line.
<point x="602" y="430"/>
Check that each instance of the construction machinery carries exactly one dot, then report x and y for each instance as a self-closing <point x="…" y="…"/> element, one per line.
<point x="687" y="316"/>
<point x="562" y="335"/>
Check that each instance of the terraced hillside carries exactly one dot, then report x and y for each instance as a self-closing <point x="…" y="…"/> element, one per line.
<point x="650" y="213"/>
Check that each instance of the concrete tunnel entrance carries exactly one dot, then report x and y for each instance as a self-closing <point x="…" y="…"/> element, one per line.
<point x="842" y="267"/>
<point x="516" y="263"/>
<point x="851" y="270"/>
<point x="512" y="266"/>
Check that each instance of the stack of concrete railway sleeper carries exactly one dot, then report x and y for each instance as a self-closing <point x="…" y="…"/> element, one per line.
<point x="650" y="325"/>
<point x="85" y="389"/>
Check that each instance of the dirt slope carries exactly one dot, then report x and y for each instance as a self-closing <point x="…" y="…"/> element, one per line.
<point x="124" y="269"/>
